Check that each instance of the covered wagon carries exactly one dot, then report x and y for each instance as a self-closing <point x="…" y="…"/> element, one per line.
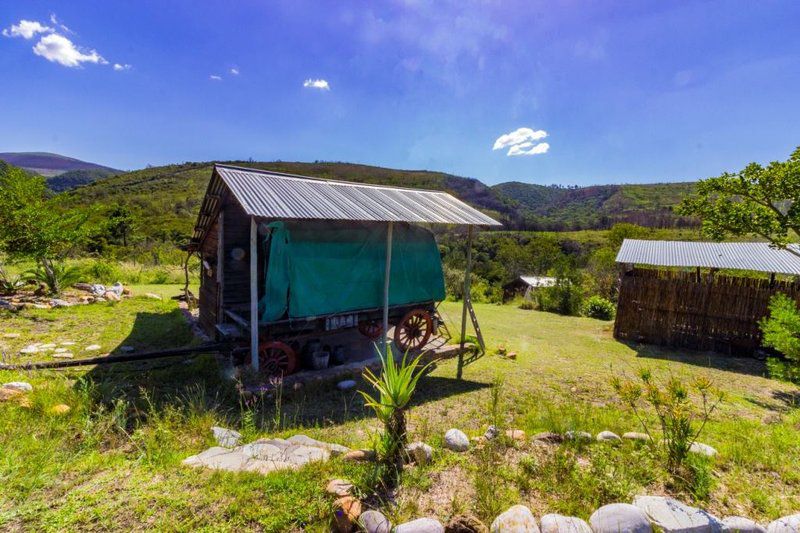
<point x="288" y="261"/>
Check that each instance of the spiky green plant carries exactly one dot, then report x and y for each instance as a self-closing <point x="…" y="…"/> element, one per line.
<point x="395" y="387"/>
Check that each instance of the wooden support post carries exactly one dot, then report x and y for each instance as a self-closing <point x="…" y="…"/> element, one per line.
<point x="220" y="265"/>
<point x="466" y="300"/>
<point x="387" y="272"/>
<point x="253" y="294"/>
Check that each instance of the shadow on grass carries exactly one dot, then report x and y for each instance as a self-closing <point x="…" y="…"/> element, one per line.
<point x="741" y="365"/>
<point x="195" y="383"/>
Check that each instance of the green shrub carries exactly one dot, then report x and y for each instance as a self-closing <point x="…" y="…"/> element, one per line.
<point x="781" y="330"/>
<point x="564" y="298"/>
<point x="527" y="305"/>
<point x="599" y="308"/>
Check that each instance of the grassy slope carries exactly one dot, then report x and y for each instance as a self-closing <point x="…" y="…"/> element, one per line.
<point x="113" y="461"/>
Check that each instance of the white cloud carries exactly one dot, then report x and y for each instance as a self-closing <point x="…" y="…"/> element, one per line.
<point x="59" y="49"/>
<point x="235" y="71"/>
<point x="317" y="84"/>
<point x="120" y="67"/>
<point x="528" y="149"/>
<point x="26" y="29"/>
<point x="522" y="141"/>
<point x="214" y="77"/>
<point x="54" y="20"/>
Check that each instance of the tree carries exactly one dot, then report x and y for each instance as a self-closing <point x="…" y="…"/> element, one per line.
<point x="121" y="224"/>
<point x="34" y="225"/>
<point x="757" y="200"/>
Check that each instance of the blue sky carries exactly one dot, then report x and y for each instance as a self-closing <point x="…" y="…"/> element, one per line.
<point x="584" y="92"/>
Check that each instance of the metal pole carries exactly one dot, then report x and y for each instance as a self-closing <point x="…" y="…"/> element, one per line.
<point x="466" y="299"/>
<point x="253" y="294"/>
<point x="386" y="274"/>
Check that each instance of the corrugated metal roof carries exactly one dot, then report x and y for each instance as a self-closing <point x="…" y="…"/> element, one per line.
<point x="758" y="256"/>
<point x="539" y="281"/>
<point x="284" y="196"/>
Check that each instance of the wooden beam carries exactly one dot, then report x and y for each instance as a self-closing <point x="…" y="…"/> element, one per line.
<point x="220" y="264"/>
<point x="387" y="272"/>
<point x="466" y="299"/>
<point x="253" y="294"/>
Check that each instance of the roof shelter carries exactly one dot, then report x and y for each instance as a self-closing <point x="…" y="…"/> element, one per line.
<point x="267" y="195"/>
<point x="754" y="256"/>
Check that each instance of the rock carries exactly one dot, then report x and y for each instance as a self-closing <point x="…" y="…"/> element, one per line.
<point x="334" y="449"/>
<point x="491" y="433"/>
<point x="517" y="519"/>
<point x="128" y="292"/>
<point x="671" y="516"/>
<point x="11" y="335"/>
<point x="9" y="394"/>
<point x="374" y="522"/>
<point x="617" y="517"/>
<point x="511" y="355"/>
<point x="419" y="453"/>
<point x="703" y="449"/>
<point x="29" y="350"/>
<point x="347" y="509"/>
<point x="56" y="302"/>
<point x="740" y="524"/>
<point x="608" y="436"/>
<point x="93" y="347"/>
<point x="346" y="384"/>
<point x="126" y="349"/>
<point x="21" y="386"/>
<point x="633" y="435"/>
<point x="60" y="409"/>
<point x="48" y="346"/>
<point x="359" y="456"/>
<point x="67" y="343"/>
<point x="152" y="296"/>
<point x="787" y="524"/>
<point x="548" y="437"/>
<point x="515" y="434"/>
<point x="456" y="440"/>
<point x="579" y="436"/>
<point x="63" y="355"/>
<point x="420" y="525"/>
<point x="339" y="487"/>
<point x="227" y="438"/>
<point x="465" y="524"/>
<point x="556" y="523"/>
<point x="111" y="296"/>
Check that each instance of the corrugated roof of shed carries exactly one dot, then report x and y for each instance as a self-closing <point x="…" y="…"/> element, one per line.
<point x="284" y="196"/>
<point x="756" y="256"/>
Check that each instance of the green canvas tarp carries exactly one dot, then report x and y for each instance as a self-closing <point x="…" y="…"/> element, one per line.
<point x="316" y="268"/>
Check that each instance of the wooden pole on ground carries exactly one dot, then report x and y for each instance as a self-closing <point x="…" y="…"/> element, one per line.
<point x="466" y="300"/>
<point x="253" y="294"/>
<point x="386" y="275"/>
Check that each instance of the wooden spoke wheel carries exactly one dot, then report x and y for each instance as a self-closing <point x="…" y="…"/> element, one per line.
<point x="276" y="358"/>
<point x="371" y="329"/>
<point x="414" y="330"/>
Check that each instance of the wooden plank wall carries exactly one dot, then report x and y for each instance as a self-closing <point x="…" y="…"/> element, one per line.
<point x="237" y="273"/>
<point x="678" y="309"/>
<point x="209" y="288"/>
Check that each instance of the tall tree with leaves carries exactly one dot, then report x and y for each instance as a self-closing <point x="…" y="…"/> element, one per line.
<point x="34" y="226"/>
<point x="758" y="200"/>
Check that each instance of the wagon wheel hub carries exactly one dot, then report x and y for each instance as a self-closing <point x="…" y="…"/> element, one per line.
<point x="276" y="358"/>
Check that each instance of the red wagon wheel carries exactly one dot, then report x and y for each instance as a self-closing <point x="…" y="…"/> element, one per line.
<point x="414" y="330"/>
<point x="371" y="329"/>
<point x="276" y="358"/>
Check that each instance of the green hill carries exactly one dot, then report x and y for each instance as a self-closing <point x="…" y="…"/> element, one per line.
<point x="165" y="199"/>
<point x="62" y="172"/>
<point x="557" y="208"/>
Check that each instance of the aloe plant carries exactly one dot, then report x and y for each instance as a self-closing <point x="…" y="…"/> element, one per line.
<point x="395" y="387"/>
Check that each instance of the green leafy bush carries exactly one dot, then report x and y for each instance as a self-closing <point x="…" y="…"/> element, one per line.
<point x="781" y="328"/>
<point x="599" y="308"/>
<point x="564" y="298"/>
<point x="527" y="305"/>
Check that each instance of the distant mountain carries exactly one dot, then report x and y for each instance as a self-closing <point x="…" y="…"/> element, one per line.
<point x="560" y="208"/>
<point x="62" y="172"/>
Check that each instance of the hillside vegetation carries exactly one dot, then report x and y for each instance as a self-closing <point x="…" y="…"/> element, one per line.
<point x="168" y="197"/>
<point x="558" y="208"/>
<point x="50" y="165"/>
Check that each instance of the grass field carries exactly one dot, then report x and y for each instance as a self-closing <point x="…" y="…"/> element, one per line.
<point x="113" y="461"/>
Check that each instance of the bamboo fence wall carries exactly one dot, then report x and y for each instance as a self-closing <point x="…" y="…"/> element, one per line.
<point x="680" y="309"/>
